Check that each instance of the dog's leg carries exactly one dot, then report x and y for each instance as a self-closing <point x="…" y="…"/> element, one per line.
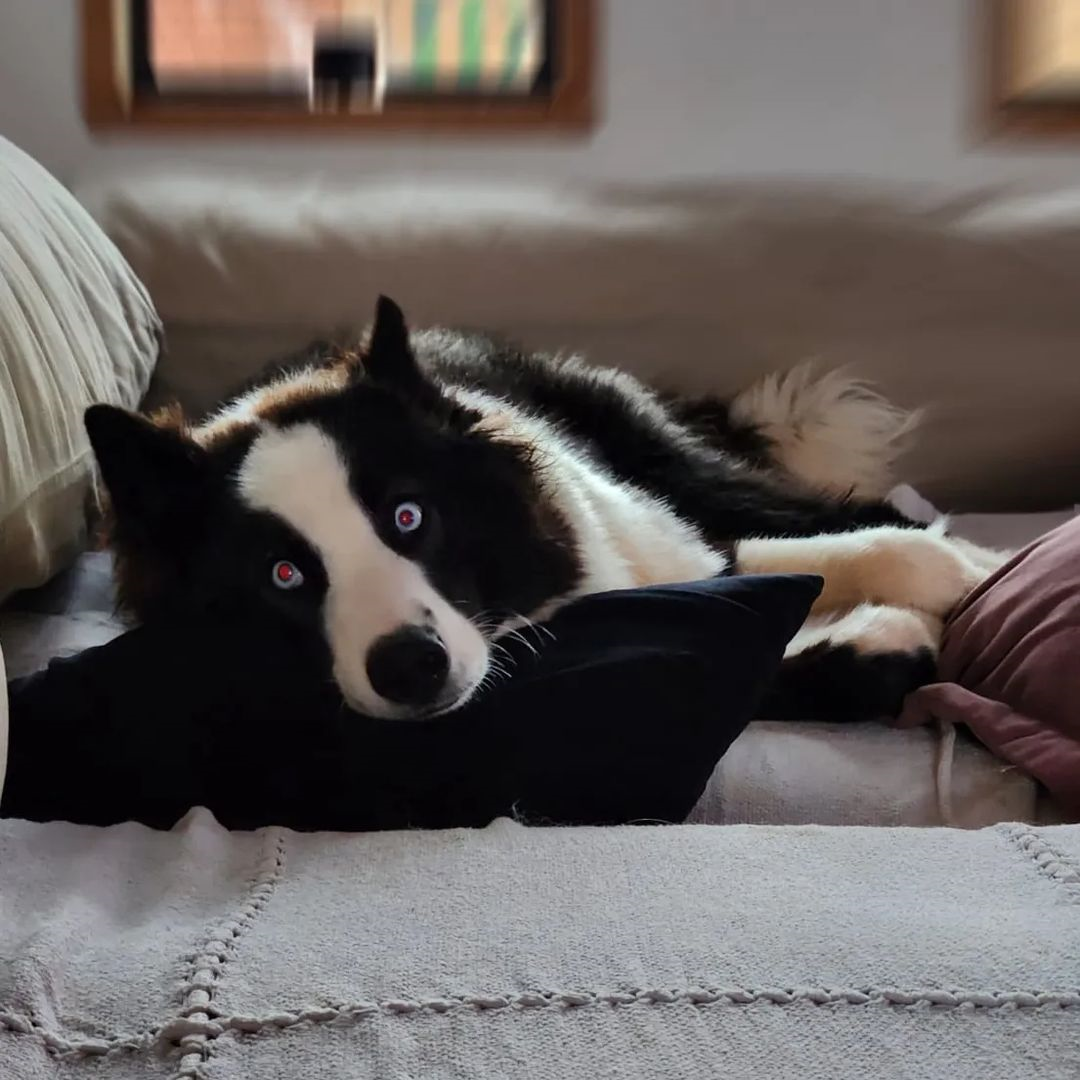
<point x="920" y="569"/>
<point x="854" y="667"/>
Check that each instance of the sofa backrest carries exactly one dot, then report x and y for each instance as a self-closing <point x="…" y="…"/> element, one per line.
<point x="968" y="308"/>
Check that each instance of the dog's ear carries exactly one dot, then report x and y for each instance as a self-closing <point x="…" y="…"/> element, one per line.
<point x="389" y="360"/>
<point x="151" y="471"/>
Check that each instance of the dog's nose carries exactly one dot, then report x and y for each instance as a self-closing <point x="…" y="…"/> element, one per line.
<point x="409" y="666"/>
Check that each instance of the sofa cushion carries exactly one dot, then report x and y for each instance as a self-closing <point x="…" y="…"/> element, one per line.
<point x="617" y="711"/>
<point x="76" y="327"/>
<point x="865" y="774"/>
<point x="1009" y="668"/>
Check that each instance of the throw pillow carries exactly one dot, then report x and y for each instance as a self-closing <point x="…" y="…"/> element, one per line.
<point x="615" y="711"/>
<point x="76" y="327"/>
<point x="1009" y="668"/>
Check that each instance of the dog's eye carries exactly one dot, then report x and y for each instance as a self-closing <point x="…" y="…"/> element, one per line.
<point x="286" y="575"/>
<point x="408" y="517"/>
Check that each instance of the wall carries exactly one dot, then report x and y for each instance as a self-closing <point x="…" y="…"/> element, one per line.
<point x="692" y="88"/>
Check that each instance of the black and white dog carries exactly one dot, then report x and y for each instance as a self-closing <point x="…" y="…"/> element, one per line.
<point x="414" y="499"/>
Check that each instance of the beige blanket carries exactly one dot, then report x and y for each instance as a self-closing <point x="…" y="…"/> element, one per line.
<point x="678" y="952"/>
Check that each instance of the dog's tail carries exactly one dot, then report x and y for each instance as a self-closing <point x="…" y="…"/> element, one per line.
<point x="833" y="432"/>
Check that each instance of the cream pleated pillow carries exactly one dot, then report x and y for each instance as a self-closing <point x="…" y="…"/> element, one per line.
<point x="76" y="327"/>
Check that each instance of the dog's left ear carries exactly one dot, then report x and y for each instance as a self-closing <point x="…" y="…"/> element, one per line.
<point x="390" y="360"/>
<point x="153" y="474"/>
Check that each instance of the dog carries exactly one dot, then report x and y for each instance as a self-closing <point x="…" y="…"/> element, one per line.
<point x="409" y="501"/>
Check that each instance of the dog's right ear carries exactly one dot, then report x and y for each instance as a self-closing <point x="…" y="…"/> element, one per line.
<point x="389" y="359"/>
<point x="150" y="471"/>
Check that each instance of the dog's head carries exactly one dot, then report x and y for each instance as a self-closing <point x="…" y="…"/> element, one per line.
<point x="388" y="519"/>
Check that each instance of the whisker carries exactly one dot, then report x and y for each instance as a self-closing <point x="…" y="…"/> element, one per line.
<point x="489" y="682"/>
<point x="517" y="635"/>
<point x="507" y="655"/>
<point x="538" y="630"/>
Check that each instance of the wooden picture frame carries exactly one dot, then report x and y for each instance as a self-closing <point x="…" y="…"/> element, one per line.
<point x="110" y="103"/>
<point x="1030" y="93"/>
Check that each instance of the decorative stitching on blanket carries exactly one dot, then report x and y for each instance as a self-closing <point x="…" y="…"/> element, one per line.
<point x="208" y="965"/>
<point x="1049" y="861"/>
<point x="196" y="1032"/>
<point x="967" y="1000"/>
<point x="61" y="1046"/>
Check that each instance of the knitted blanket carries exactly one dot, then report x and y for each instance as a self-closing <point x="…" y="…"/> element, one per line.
<point x="689" y="951"/>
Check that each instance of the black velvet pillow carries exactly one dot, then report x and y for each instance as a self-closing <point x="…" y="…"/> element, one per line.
<point x="621" y="716"/>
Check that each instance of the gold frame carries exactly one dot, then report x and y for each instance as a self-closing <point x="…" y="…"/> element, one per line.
<point x="1023" y="99"/>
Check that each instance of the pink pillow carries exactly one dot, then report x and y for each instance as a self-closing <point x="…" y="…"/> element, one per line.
<point x="1010" y="666"/>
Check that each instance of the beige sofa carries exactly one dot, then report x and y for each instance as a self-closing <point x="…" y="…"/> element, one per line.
<point x="965" y="309"/>
<point x="680" y="952"/>
<point x="703" y="290"/>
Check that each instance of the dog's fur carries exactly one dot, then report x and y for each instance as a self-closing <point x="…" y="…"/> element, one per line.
<point x="539" y="479"/>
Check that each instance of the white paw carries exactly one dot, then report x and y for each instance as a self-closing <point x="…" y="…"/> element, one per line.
<point x="871" y="628"/>
<point x="920" y="569"/>
<point x="989" y="559"/>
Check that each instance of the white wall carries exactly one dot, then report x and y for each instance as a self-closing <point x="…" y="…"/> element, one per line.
<point x="863" y="88"/>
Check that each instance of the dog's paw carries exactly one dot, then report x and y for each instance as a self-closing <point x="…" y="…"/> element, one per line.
<point x="920" y="569"/>
<point x="858" y="666"/>
<point x="871" y="628"/>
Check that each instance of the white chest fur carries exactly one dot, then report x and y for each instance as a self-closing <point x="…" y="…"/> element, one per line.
<point x="627" y="537"/>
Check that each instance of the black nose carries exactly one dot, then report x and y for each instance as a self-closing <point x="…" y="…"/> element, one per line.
<point x="409" y="666"/>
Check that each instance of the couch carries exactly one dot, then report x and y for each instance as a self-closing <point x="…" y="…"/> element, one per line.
<point x="699" y="289"/>
<point x="772" y="949"/>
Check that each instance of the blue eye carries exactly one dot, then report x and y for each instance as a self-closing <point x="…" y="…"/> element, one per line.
<point x="286" y="575"/>
<point x="408" y="517"/>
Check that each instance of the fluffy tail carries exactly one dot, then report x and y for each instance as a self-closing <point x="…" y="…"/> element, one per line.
<point x="831" y="431"/>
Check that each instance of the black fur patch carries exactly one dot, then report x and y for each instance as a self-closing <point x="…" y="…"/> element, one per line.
<point x="711" y="419"/>
<point x="838" y="684"/>
<point x="713" y="487"/>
